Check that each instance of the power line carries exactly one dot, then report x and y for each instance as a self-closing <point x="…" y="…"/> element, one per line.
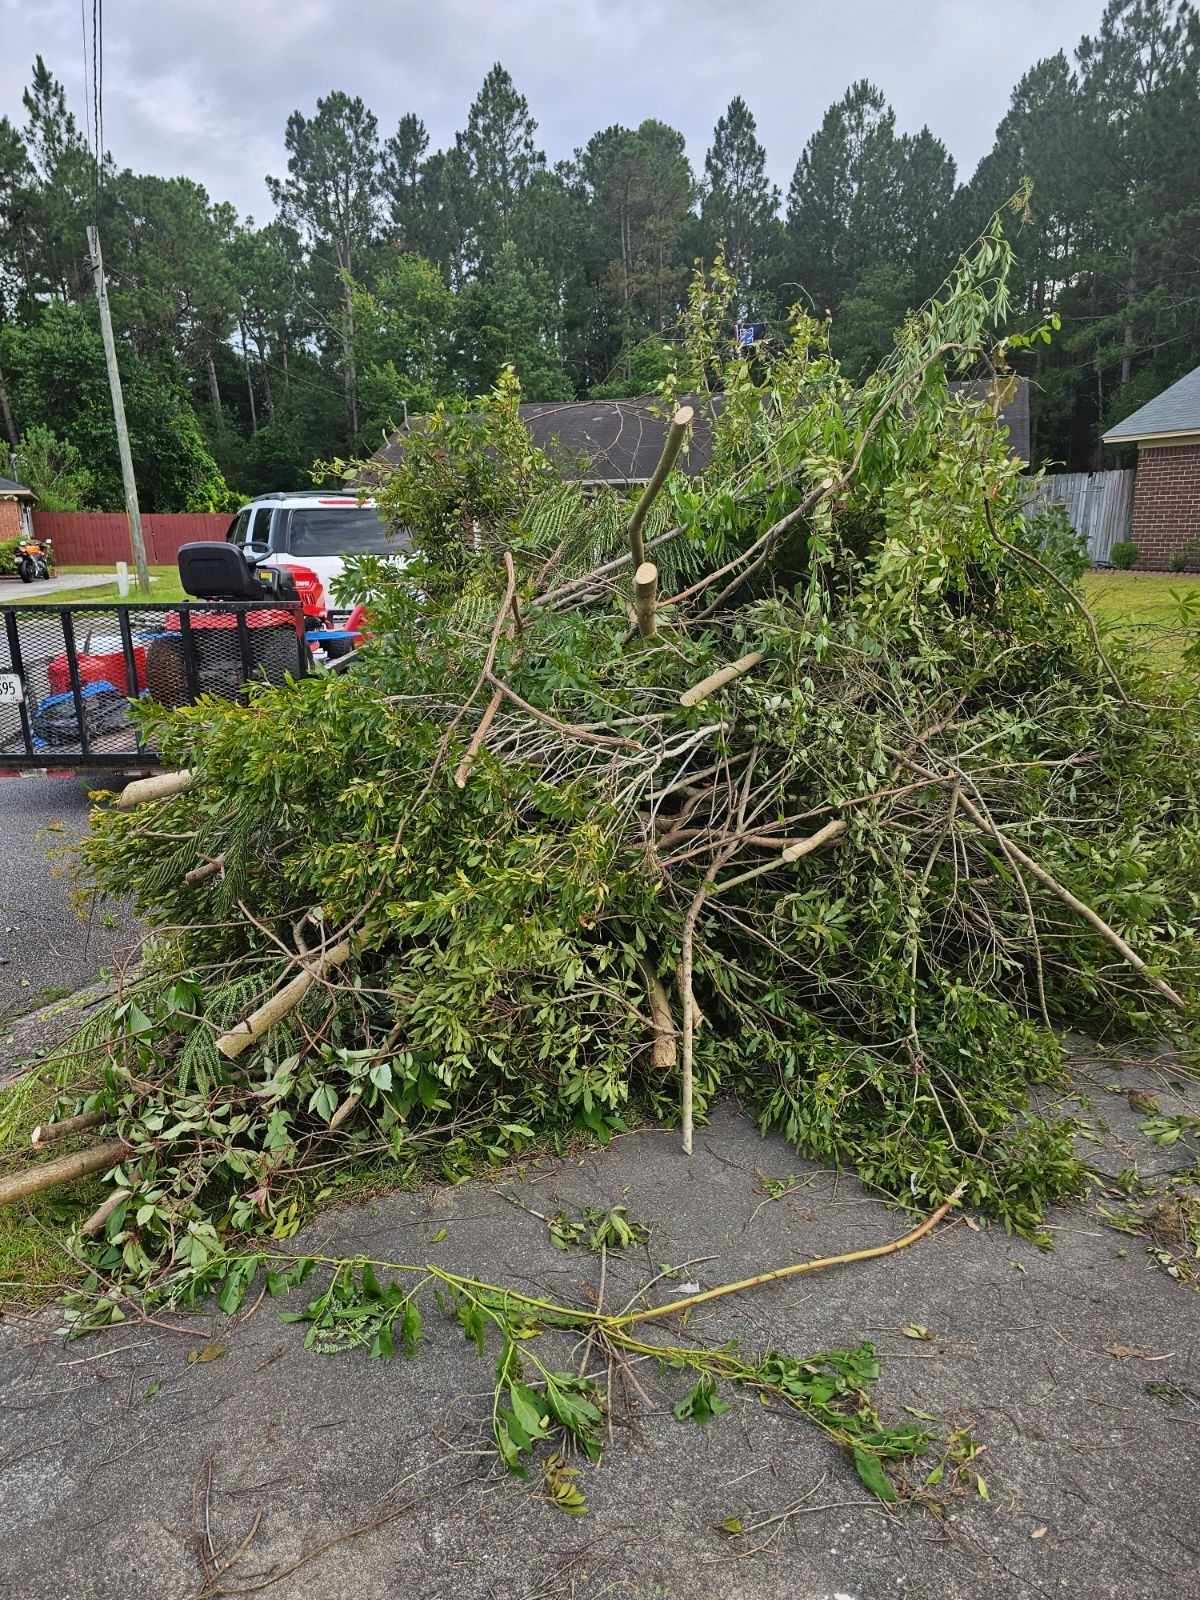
<point x="87" y="109"/>
<point x="97" y="100"/>
<point x="100" y="93"/>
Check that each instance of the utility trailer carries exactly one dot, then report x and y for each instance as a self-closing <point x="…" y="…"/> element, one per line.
<point x="69" y="674"/>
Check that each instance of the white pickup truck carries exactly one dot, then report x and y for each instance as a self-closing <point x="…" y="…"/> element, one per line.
<point x="313" y="528"/>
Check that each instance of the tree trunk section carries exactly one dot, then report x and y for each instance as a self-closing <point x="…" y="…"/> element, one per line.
<point x="65" y="1170"/>
<point x="645" y="594"/>
<point x="259" y="1022"/>
<point x="161" y="787"/>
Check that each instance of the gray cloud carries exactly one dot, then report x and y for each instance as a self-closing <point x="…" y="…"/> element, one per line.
<point x="204" y="87"/>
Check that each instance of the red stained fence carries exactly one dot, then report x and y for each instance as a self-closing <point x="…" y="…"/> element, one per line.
<point x="101" y="538"/>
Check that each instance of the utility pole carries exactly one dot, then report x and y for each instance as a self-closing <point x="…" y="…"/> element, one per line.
<point x="118" y="405"/>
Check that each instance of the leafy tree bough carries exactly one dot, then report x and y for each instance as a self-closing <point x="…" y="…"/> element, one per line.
<point x="843" y="808"/>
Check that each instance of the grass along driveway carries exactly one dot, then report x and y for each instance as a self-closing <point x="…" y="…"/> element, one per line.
<point x="164" y="586"/>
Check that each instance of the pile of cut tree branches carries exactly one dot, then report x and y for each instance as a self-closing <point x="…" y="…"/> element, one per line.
<point x="806" y="777"/>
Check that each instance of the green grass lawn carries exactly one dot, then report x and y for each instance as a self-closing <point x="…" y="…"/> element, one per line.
<point x="1141" y="607"/>
<point x="165" y="586"/>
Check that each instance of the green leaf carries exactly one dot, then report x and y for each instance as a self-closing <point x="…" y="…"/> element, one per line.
<point x="873" y="1475"/>
<point x="702" y="1405"/>
<point x="509" y="1453"/>
<point x="410" y="1329"/>
<point x="527" y="1410"/>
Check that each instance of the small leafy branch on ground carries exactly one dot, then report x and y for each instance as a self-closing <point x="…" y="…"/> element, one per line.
<point x="594" y="1230"/>
<point x="539" y="1406"/>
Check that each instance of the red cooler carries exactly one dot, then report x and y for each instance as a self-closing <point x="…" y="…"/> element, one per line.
<point x="104" y="660"/>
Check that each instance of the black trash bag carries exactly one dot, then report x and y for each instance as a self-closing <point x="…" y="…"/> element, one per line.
<point x="105" y="710"/>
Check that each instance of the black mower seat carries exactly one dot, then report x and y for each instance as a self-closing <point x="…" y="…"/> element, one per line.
<point x="214" y="570"/>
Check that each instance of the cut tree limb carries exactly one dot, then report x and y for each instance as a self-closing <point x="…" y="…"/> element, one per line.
<point x="65" y="1169"/>
<point x="1075" y="599"/>
<point x="691" y="1011"/>
<point x="103" y="1211"/>
<point x="48" y="1132"/>
<point x="508" y="617"/>
<point x="664" y="1055"/>
<point x="259" y="1022"/>
<point x="160" y="787"/>
<point x="717" y="680"/>
<point x="673" y="443"/>
<point x="645" y="593"/>
<point x="347" y="1109"/>
<point x="677" y="1306"/>
<point x="207" y="869"/>
<point x="1092" y="918"/>
<point x="463" y="771"/>
<point x="802" y="847"/>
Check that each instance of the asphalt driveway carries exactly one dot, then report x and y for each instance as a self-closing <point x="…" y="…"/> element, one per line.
<point x="46" y="950"/>
<point x="129" y="1468"/>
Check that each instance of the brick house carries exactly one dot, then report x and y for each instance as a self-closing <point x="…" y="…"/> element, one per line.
<point x="1166" y="490"/>
<point x="16" y="510"/>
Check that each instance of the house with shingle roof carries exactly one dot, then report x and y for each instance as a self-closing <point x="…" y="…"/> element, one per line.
<point x="1166" y="490"/>
<point x="618" y="442"/>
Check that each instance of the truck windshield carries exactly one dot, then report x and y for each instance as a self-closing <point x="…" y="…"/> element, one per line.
<point x="339" y="531"/>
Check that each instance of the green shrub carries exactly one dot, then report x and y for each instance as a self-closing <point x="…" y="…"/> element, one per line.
<point x="1187" y="557"/>
<point x="1123" y="554"/>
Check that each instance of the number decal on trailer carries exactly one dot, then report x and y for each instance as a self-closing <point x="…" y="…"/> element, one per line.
<point x="12" y="692"/>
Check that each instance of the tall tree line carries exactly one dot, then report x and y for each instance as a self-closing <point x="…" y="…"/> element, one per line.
<point x="392" y="275"/>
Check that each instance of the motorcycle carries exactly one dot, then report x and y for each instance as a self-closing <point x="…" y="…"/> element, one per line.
<point x="34" y="559"/>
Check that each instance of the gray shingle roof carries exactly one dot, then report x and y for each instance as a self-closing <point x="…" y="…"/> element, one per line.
<point x="15" y="491"/>
<point x="619" y="441"/>
<point x="1175" y="410"/>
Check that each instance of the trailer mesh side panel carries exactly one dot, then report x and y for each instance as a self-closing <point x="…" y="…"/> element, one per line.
<point x="68" y="674"/>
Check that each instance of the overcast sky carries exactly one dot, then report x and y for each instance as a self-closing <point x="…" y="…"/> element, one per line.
<point x="204" y="87"/>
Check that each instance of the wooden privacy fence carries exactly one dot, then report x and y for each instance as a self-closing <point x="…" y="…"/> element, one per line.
<point x="1099" y="506"/>
<point x="101" y="538"/>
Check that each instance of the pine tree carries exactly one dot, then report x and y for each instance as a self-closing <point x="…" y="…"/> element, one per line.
<point x="510" y="317"/>
<point x="500" y="155"/>
<point x="838" y="206"/>
<point x="1039" y="139"/>
<point x="1139" y="81"/>
<point x="448" y="230"/>
<point x="639" y="189"/>
<point x="739" y="203"/>
<point x="62" y="194"/>
<point x="401" y="177"/>
<point x="332" y="195"/>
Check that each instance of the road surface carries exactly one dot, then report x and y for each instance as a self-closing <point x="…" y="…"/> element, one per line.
<point x="46" y="951"/>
